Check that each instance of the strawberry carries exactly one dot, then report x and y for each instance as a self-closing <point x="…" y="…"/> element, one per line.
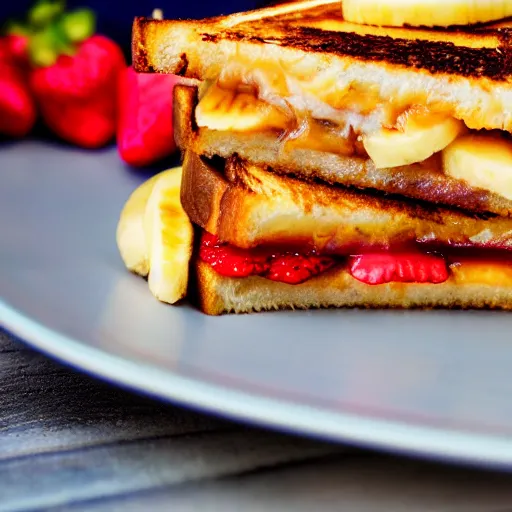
<point x="73" y="72"/>
<point x="230" y="261"/>
<point x="17" y="107"/>
<point x="290" y="268"/>
<point x="380" y="268"/>
<point x="5" y="53"/>
<point x="77" y="93"/>
<point x="297" y="268"/>
<point x="16" y="42"/>
<point x="145" y="132"/>
<point x="17" y="45"/>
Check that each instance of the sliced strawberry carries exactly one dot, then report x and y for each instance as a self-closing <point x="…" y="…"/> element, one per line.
<point x="380" y="268"/>
<point x="228" y="260"/>
<point x="297" y="268"/>
<point x="290" y="268"/>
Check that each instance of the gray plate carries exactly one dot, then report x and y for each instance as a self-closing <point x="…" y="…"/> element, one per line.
<point x="433" y="383"/>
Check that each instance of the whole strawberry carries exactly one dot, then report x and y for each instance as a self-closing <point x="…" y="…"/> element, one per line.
<point x="74" y="77"/>
<point x="77" y="94"/>
<point x="145" y="133"/>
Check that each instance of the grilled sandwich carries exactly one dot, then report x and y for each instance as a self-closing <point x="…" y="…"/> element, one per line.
<point x="331" y="163"/>
<point x="279" y="242"/>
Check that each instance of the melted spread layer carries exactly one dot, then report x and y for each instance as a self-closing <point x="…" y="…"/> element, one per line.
<point x="372" y="268"/>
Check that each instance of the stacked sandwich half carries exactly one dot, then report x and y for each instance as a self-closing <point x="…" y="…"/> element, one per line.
<point x="336" y="164"/>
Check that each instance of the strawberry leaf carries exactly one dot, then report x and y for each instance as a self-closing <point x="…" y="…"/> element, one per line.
<point x="78" y="25"/>
<point x="45" y="11"/>
<point x="42" y="49"/>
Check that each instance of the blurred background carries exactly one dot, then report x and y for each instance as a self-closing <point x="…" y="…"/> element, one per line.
<point x="60" y="83"/>
<point x="115" y="16"/>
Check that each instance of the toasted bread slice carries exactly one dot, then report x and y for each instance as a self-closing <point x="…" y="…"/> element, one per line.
<point x="247" y="206"/>
<point x="465" y="73"/>
<point x="336" y="288"/>
<point x="424" y="181"/>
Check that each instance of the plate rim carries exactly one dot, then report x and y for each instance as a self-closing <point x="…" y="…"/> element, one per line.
<point x="259" y="410"/>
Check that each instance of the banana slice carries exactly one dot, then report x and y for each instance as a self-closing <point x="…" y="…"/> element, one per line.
<point x="130" y="235"/>
<point x="427" y="13"/>
<point x="169" y="238"/>
<point x="419" y="139"/>
<point x="227" y="110"/>
<point x="482" y="161"/>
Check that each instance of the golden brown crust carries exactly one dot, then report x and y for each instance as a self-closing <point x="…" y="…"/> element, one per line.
<point x="338" y="289"/>
<point x="249" y="206"/>
<point x="422" y="181"/>
<point x="202" y="193"/>
<point x="459" y="51"/>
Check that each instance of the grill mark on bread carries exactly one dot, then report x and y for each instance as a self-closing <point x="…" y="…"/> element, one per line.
<point x="433" y="56"/>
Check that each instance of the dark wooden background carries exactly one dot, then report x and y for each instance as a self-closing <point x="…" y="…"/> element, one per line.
<point x="69" y="442"/>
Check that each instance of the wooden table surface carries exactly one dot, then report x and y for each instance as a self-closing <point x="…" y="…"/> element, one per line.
<point x="69" y="442"/>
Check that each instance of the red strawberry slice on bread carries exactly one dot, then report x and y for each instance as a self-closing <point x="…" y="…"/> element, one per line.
<point x="411" y="267"/>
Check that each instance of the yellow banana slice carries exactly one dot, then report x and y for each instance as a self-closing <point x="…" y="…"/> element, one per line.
<point x="428" y="13"/>
<point x="419" y="139"/>
<point x="130" y="235"/>
<point x="169" y="238"/>
<point x="227" y="110"/>
<point x="481" y="161"/>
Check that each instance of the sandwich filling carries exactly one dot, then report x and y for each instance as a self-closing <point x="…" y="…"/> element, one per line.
<point x="312" y="114"/>
<point x="294" y="267"/>
<point x="358" y="124"/>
